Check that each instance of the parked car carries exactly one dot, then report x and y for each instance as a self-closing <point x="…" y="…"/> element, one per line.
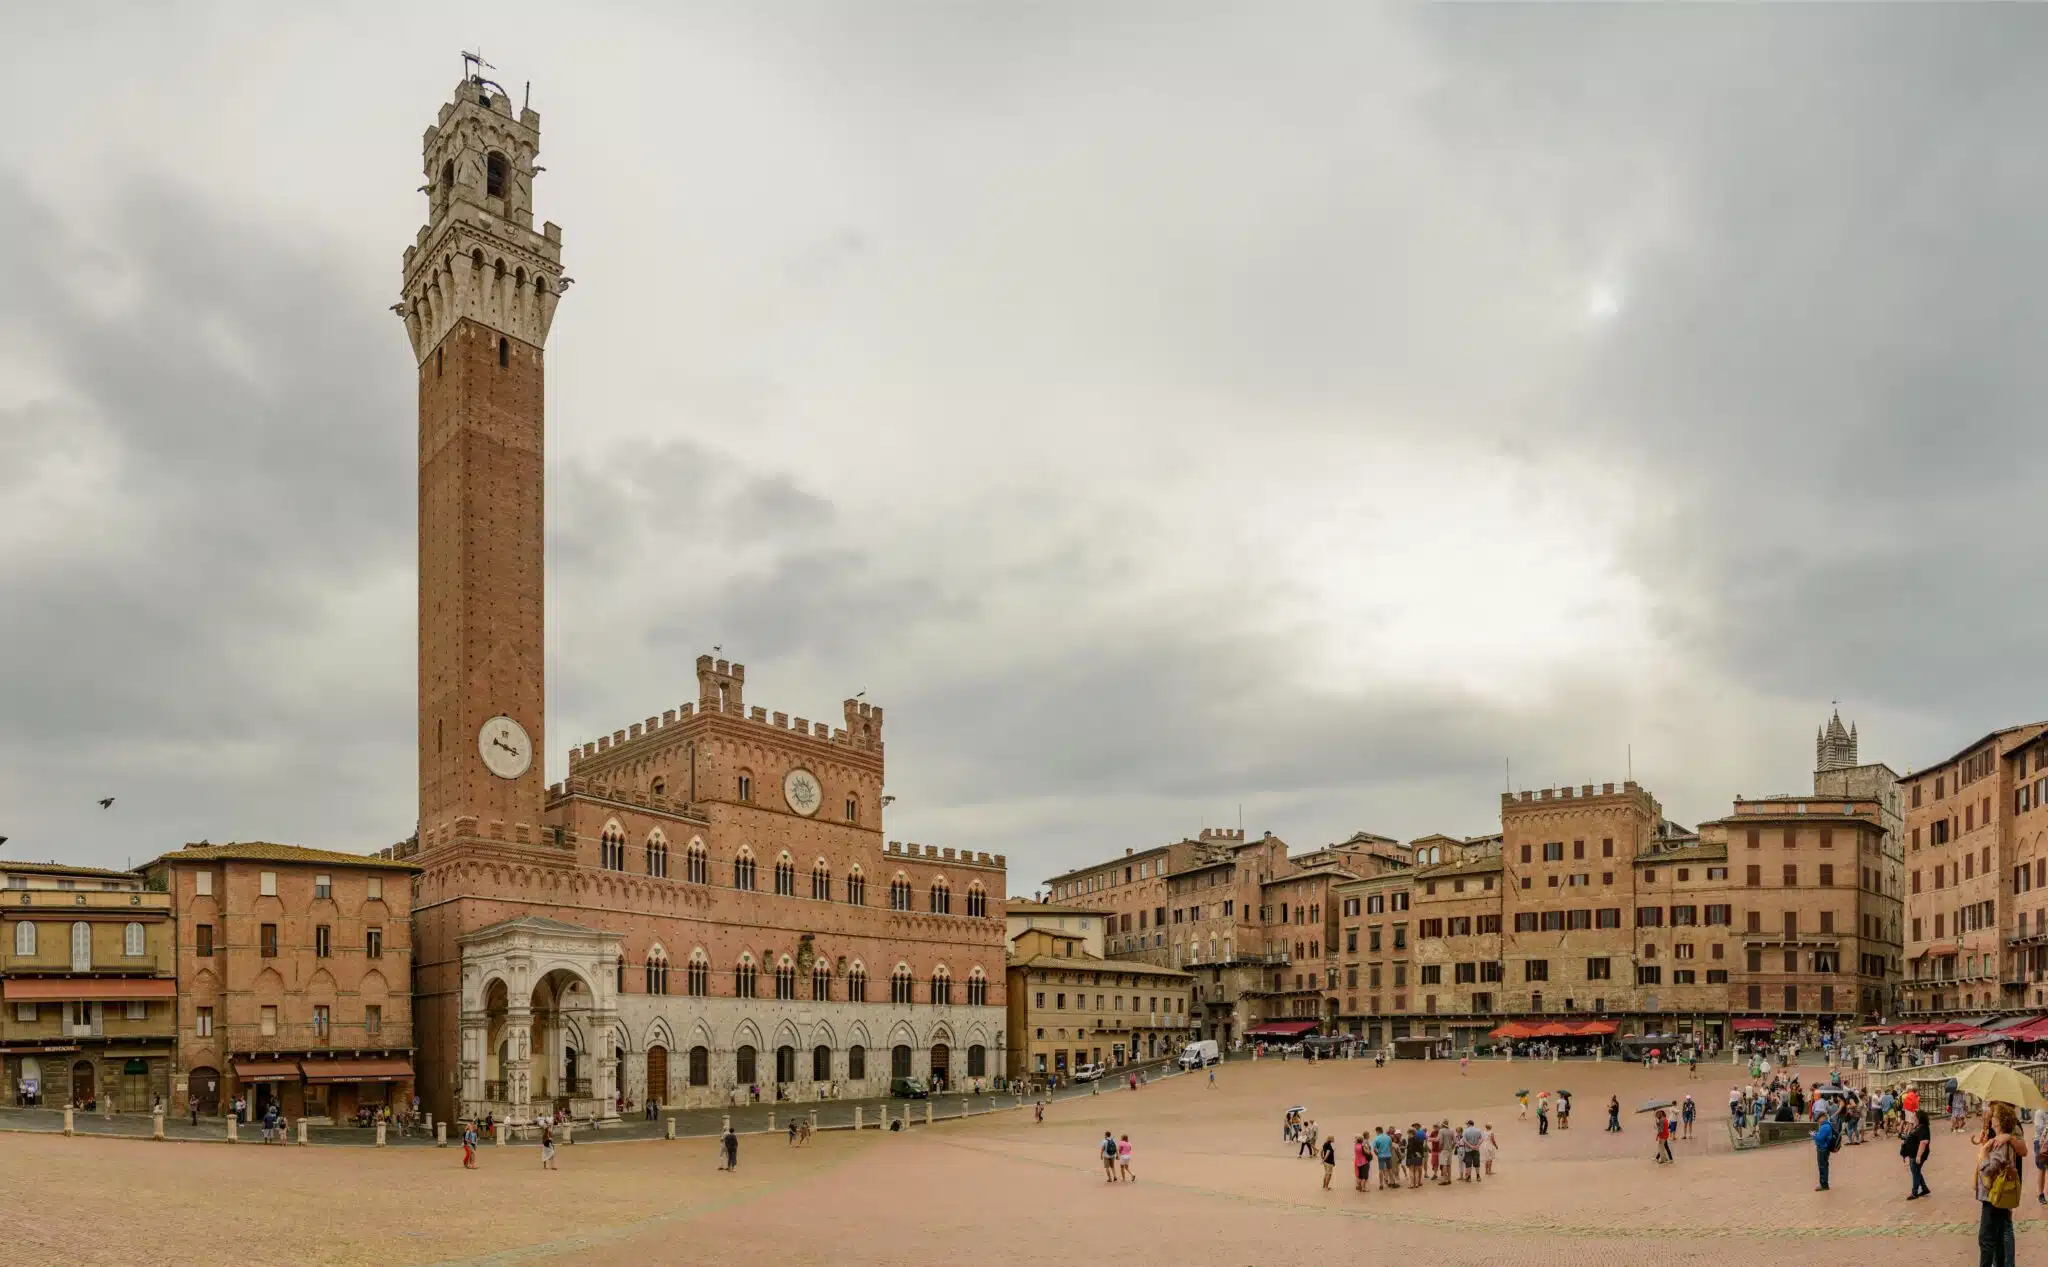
<point x="1088" y="1073"/>
<point x="909" y="1089"/>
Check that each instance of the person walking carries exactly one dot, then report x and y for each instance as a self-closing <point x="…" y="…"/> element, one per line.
<point x="1543" y="1114"/>
<point x="1686" y="1113"/>
<point x="469" y="1146"/>
<point x="1212" y="1077"/>
<point x="1329" y="1162"/>
<point x="1108" y="1153"/>
<point x="1998" y="1185"/>
<point x="1123" y="1159"/>
<point x="1827" y="1140"/>
<point x="1564" y="1110"/>
<point x="729" y="1149"/>
<point x="1524" y="1099"/>
<point x="1664" y="1156"/>
<point x="1914" y="1148"/>
<point x="1614" y="1114"/>
<point x="547" y="1146"/>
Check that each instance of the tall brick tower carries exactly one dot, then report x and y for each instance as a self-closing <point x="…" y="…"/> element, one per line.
<point x="480" y="293"/>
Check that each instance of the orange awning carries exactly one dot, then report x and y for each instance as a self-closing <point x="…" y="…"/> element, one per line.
<point x="1939" y="950"/>
<point x="66" y="989"/>
<point x="267" y="1070"/>
<point x="387" y="1070"/>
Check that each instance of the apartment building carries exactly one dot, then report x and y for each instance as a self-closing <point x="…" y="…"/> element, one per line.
<point x="1021" y="915"/>
<point x="1963" y="847"/>
<point x="1375" y="918"/>
<point x="1458" y="940"/>
<point x="87" y="979"/>
<point x="1067" y="1008"/>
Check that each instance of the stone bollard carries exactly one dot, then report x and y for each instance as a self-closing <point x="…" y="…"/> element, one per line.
<point x="1600" y="1054"/>
<point x="430" y="1121"/>
<point x="857" y="1115"/>
<point x="156" y="1126"/>
<point x="234" y="1132"/>
<point x="771" y="1121"/>
<point x="302" y="1132"/>
<point x="500" y="1132"/>
<point x="964" y="1106"/>
<point x="671" y="1128"/>
<point x="380" y="1134"/>
<point x="814" y="1121"/>
<point x="568" y="1132"/>
<point x="927" y="1112"/>
<point x="67" y="1119"/>
<point x="725" y="1124"/>
<point x="440" y="1135"/>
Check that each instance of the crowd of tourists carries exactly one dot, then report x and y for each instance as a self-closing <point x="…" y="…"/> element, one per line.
<point x="1402" y="1157"/>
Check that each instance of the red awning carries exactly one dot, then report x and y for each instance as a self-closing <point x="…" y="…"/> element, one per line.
<point x="388" y="1070"/>
<point x="1280" y="1029"/>
<point x="1589" y="1029"/>
<point x="66" y="989"/>
<point x="1551" y="1029"/>
<point x="1752" y="1025"/>
<point x="2032" y="1031"/>
<point x="267" y="1070"/>
<point x="1513" y="1029"/>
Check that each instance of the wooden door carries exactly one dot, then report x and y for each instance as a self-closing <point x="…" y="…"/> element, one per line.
<point x="657" y="1075"/>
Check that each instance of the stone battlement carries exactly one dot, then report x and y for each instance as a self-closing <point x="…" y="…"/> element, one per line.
<point x="933" y="853"/>
<point x="1583" y="792"/>
<point x="1224" y="835"/>
<point x="721" y="689"/>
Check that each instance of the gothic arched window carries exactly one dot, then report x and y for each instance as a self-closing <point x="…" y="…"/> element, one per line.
<point x="743" y="869"/>
<point x="901" y="989"/>
<point x="785" y="876"/>
<point x="785" y="979"/>
<point x="698" y="864"/>
<point x="698" y="975"/>
<point x="977" y="987"/>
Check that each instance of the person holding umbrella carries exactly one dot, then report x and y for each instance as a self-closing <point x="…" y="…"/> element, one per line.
<point x="1663" y="1122"/>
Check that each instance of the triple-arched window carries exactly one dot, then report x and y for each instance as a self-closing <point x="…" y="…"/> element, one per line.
<point x="657" y="854"/>
<point x="856" y="983"/>
<point x="977" y="901"/>
<point x="901" y="988"/>
<point x="942" y="985"/>
<point x="821" y="981"/>
<point x="856" y="888"/>
<point x="785" y="876"/>
<point x="941" y="898"/>
<point x="657" y="971"/>
<point x="743" y="869"/>
<point x="785" y="979"/>
<point x="698" y="974"/>
<point x="743" y="978"/>
<point x="821" y="882"/>
<point x="697" y="864"/>
<point x="611" y="848"/>
<point x="899" y="893"/>
<point x="977" y="987"/>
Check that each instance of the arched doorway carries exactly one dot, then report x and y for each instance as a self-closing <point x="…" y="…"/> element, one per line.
<point x="700" y="1066"/>
<point x="785" y="1064"/>
<point x="657" y="1075"/>
<point x="899" y="1061"/>
<point x="82" y="1084"/>
<point x="743" y="1066"/>
<point x="942" y="1056"/>
<point x="205" y="1089"/>
<point x="821" y="1064"/>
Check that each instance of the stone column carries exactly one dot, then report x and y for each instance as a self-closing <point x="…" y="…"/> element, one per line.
<point x="604" y="1082"/>
<point x="476" y="1037"/>
<point x="302" y="1132"/>
<point x="518" y="1070"/>
<point x="670" y="1131"/>
<point x="380" y="1134"/>
<point x="68" y="1122"/>
<point x="156" y="1126"/>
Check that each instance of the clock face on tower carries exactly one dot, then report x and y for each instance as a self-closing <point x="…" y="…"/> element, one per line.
<point x="800" y="788"/>
<point x="503" y="745"/>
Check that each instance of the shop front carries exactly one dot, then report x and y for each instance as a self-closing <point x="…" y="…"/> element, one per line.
<point x="335" y="1088"/>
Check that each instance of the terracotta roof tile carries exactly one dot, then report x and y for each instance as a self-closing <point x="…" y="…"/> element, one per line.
<point x="265" y="851"/>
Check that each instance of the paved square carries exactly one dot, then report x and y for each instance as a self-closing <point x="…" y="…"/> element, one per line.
<point x="1216" y="1185"/>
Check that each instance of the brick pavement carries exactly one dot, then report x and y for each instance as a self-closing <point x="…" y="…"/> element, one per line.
<point x="1215" y="1185"/>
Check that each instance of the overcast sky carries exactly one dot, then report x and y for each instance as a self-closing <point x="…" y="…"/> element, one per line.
<point x="1166" y="412"/>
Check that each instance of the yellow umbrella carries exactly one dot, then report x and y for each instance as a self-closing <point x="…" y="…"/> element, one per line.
<point x="2001" y="1084"/>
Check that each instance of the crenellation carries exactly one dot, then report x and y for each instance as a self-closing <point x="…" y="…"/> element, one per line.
<point x="782" y="721"/>
<point x="633" y="731"/>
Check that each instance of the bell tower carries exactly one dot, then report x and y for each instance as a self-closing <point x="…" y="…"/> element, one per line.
<point x="480" y="290"/>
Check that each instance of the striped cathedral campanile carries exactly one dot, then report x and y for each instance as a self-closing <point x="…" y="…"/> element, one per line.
<point x="480" y="293"/>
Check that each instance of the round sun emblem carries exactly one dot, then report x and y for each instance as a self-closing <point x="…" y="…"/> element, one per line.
<point x="800" y="788"/>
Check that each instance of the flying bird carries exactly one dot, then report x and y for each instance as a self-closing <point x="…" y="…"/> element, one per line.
<point x="106" y="802"/>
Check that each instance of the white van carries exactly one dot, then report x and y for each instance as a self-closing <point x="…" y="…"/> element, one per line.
<point x="1198" y="1054"/>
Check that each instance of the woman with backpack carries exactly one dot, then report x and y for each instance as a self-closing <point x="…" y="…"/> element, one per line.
<point x="1998" y="1185"/>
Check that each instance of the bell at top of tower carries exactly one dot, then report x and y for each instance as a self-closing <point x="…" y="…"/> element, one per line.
<point x="478" y="255"/>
